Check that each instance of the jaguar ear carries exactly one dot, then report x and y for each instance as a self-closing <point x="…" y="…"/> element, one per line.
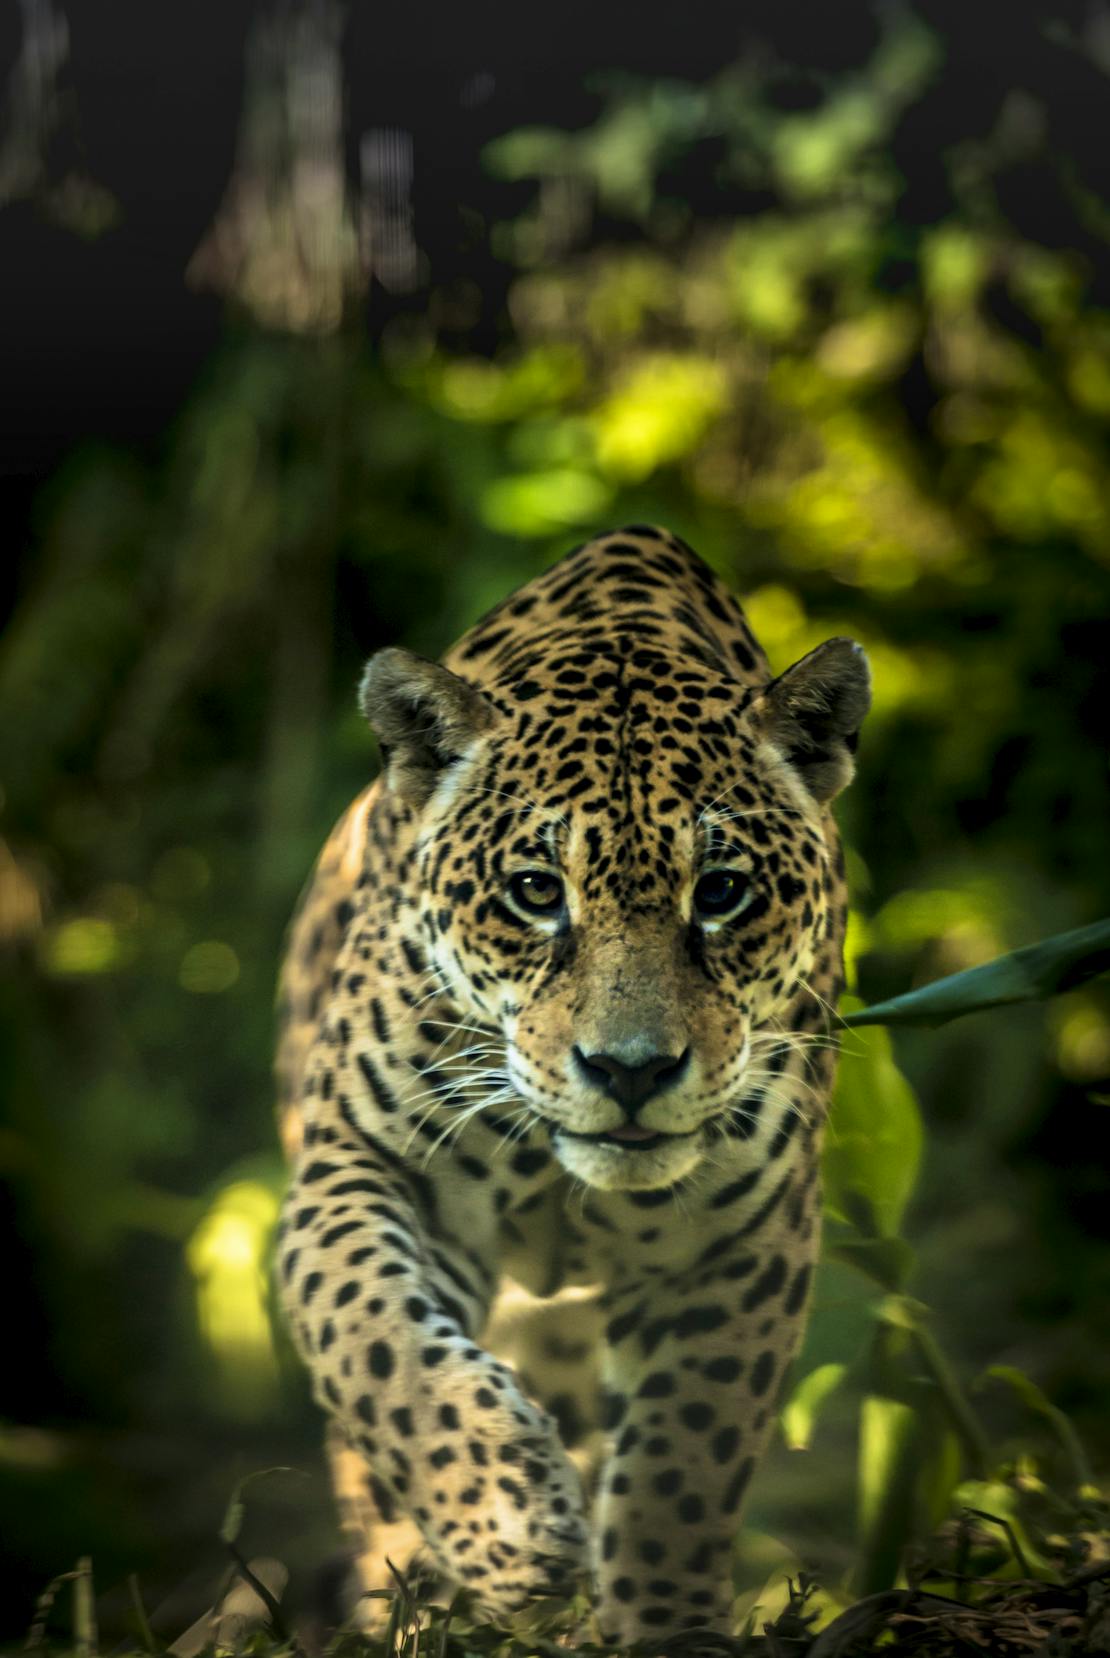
<point x="425" y="716"/>
<point x="812" y="714"/>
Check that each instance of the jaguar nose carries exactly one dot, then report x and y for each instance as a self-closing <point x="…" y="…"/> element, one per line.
<point x="632" y="1085"/>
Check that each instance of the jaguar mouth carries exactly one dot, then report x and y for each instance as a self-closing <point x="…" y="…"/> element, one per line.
<point x="628" y="1136"/>
<point x="631" y="1134"/>
<point x="629" y="1157"/>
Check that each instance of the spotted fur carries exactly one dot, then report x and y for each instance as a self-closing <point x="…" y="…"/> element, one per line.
<point x="615" y="1103"/>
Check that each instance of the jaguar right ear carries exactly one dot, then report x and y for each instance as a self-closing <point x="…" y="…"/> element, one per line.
<point x="426" y="718"/>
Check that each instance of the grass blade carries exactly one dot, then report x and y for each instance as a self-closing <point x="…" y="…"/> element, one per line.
<point x="138" y="1610"/>
<point x="84" y="1610"/>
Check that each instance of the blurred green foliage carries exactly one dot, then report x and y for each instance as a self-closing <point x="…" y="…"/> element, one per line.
<point x="868" y="426"/>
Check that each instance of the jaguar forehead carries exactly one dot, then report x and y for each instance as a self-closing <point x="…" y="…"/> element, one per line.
<point x="632" y="738"/>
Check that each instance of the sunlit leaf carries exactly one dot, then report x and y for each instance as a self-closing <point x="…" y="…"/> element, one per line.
<point x="887" y="1475"/>
<point x="85" y="945"/>
<point x="800" y="1413"/>
<point x="227" y="1255"/>
<point x="875" y="1136"/>
<point x="996" y="1500"/>
<point x="1031" y="974"/>
<point x="538" y="503"/>
<point x="658" y="413"/>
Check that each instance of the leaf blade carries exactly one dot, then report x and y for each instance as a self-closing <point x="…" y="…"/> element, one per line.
<point x="1032" y="973"/>
<point x="799" y="1415"/>
<point x="875" y="1139"/>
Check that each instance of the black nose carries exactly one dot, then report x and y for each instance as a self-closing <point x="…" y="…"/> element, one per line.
<point x="631" y="1085"/>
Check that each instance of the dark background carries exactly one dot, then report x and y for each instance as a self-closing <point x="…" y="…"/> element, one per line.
<point x="105" y="340"/>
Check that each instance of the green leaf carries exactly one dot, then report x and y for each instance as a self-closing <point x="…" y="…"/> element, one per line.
<point x="888" y="1262"/>
<point x="1030" y="1394"/>
<point x="995" y="1500"/>
<point x="941" y="1467"/>
<point x="902" y="1312"/>
<point x="888" y="1467"/>
<point x="1032" y="974"/>
<point x="874" y="1140"/>
<point x="530" y="152"/>
<point x="800" y="1413"/>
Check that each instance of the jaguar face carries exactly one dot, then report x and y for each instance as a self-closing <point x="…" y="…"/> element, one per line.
<point x="633" y="1027"/>
<point x="636" y="965"/>
<point x="626" y="892"/>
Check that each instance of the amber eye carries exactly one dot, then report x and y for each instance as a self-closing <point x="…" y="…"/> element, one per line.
<point x="720" y="892"/>
<point x="537" y="891"/>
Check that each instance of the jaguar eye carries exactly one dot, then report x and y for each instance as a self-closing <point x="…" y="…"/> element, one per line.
<point x="537" y="892"/>
<point x="720" y="892"/>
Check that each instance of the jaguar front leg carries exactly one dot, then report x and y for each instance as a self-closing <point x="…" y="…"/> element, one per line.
<point x="375" y="1548"/>
<point x="694" y="1363"/>
<point x="384" y="1309"/>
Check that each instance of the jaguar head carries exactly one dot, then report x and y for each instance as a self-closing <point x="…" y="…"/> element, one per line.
<point x="624" y="881"/>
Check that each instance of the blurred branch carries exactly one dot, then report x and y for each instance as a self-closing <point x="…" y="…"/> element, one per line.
<point x="37" y="117"/>
<point x="284" y="244"/>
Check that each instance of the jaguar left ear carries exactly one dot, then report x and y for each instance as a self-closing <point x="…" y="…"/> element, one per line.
<point x="425" y="716"/>
<point x="812" y="713"/>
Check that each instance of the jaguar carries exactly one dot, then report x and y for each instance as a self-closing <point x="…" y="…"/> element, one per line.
<point x="555" y="1057"/>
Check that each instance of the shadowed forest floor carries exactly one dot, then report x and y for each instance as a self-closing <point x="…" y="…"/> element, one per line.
<point x="974" y="1618"/>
